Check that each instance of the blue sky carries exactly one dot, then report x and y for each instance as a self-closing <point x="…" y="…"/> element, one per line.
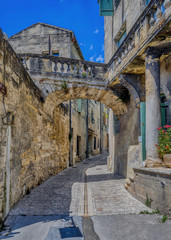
<point x="81" y="16"/>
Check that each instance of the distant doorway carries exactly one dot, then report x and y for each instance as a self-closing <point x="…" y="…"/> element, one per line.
<point x="78" y="145"/>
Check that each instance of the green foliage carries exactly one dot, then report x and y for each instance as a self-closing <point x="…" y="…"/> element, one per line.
<point x="156" y="211"/>
<point x="164" y="141"/>
<point x="148" y="201"/>
<point x="84" y="74"/>
<point x="64" y="85"/>
<point x="164" y="218"/>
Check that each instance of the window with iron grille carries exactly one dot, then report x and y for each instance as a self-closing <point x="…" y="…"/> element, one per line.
<point x="117" y="3"/>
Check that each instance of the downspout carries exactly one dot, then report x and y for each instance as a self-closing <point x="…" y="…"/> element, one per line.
<point x="100" y="128"/>
<point x="70" y="131"/>
<point x="7" y="161"/>
<point x="70" y="113"/>
<point x="87" y="151"/>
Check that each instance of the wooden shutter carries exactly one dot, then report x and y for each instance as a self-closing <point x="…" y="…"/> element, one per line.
<point x="106" y="7"/>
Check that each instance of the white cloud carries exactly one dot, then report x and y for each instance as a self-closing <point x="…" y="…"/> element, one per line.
<point x="91" y="47"/>
<point x="99" y="58"/>
<point x="82" y="44"/>
<point x="96" y="31"/>
<point x="92" y="58"/>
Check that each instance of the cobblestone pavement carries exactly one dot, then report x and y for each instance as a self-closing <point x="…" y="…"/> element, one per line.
<point x="83" y="202"/>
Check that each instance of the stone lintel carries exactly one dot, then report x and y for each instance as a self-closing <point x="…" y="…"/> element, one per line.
<point x="163" y="172"/>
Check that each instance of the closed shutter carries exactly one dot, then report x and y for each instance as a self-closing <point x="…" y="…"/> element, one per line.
<point x="79" y="105"/>
<point x="106" y="7"/>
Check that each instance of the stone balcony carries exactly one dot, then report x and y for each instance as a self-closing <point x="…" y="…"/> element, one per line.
<point x="55" y="70"/>
<point x="151" y="29"/>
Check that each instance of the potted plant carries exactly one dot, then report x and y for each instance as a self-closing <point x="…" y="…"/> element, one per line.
<point x="164" y="144"/>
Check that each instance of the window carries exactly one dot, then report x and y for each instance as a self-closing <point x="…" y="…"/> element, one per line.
<point x="78" y="145"/>
<point x="164" y="110"/>
<point x="94" y="143"/>
<point x="106" y="7"/>
<point x="45" y="53"/>
<point x="121" y="39"/>
<point x="92" y="116"/>
<point x="79" y="105"/>
<point x="117" y="3"/>
<point x="147" y="2"/>
<point x="55" y="53"/>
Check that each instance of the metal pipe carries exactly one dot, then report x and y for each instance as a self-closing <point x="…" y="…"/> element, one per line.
<point x="70" y="132"/>
<point x="87" y="151"/>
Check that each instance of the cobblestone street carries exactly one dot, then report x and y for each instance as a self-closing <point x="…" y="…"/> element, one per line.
<point x="83" y="202"/>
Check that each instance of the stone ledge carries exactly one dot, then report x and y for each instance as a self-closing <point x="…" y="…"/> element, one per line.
<point x="164" y="172"/>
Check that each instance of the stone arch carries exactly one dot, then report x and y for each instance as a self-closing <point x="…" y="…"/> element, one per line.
<point x="103" y="95"/>
<point x="134" y="92"/>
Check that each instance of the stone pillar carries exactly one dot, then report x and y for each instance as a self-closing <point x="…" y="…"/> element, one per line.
<point x="153" y="116"/>
<point x="110" y="162"/>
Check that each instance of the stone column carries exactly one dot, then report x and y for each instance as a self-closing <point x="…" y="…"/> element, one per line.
<point x="110" y="162"/>
<point x="153" y="116"/>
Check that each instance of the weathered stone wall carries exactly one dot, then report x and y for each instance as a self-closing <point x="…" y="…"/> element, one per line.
<point x="79" y="129"/>
<point x="127" y="136"/>
<point x="152" y="186"/>
<point x="39" y="37"/>
<point x="94" y="127"/>
<point x="124" y="18"/>
<point x="37" y="149"/>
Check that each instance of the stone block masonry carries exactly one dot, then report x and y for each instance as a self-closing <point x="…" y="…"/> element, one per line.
<point x="152" y="186"/>
<point x="35" y="144"/>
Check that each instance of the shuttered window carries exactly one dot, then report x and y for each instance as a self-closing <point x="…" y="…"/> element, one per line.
<point x="106" y="7"/>
<point x="79" y="105"/>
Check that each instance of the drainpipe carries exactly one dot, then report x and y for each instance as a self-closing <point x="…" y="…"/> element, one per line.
<point x="87" y="151"/>
<point x="143" y="129"/>
<point x="7" y="160"/>
<point x="100" y="128"/>
<point x="70" y="131"/>
<point x="50" y="46"/>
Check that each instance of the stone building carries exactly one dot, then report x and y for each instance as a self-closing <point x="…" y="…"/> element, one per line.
<point x="50" y="40"/>
<point x="137" y="51"/>
<point x="134" y="83"/>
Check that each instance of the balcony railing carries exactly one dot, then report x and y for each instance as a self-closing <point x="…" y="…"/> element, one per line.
<point x="64" y="67"/>
<point x="150" y="22"/>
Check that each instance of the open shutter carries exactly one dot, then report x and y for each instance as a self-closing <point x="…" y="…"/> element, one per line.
<point x="79" y="105"/>
<point x="106" y="7"/>
<point x="163" y="113"/>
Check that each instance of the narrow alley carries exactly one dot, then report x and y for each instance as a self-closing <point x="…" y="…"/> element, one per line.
<point x="83" y="202"/>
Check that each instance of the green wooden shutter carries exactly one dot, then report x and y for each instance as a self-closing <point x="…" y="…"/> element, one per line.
<point x="79" y="105"/>
<point x="163" y="114"/>
<point x="143" y="129"/>
<point x="106" y="7"/>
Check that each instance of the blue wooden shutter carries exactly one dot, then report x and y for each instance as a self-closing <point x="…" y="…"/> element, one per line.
<point x="79" y="105"/>
<point x="106" y="7"/>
